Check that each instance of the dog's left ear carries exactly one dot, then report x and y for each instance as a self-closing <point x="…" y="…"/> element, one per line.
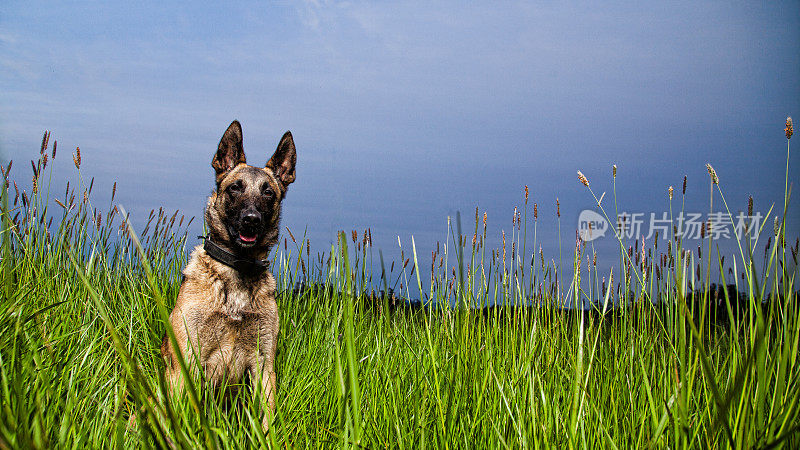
<point x="283" y="161"/>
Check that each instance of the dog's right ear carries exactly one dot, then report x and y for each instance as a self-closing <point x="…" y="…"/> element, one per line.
<point x="230" y="151"/>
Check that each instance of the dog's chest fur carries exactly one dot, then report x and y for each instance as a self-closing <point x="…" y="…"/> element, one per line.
<point x="232" y="321"/>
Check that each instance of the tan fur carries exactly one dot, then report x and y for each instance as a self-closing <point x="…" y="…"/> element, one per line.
<point x="226" y="325"/>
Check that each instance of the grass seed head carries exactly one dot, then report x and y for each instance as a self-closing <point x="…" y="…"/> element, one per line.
<point x="684" y="185"/>
<point x="504" y="246"/>
<point x="712" y="173"/>
<point x="670" y="192"/>
<point x="45" y="142"/>
<point x="76" y="157"/>
<point x="789" y="129"/>
<point x="8" y="169"/>
<point x="558" y="208"/>
<point x="583" y="179"/>
<point x="614" y="171"/>
<point x="750" y="206"/>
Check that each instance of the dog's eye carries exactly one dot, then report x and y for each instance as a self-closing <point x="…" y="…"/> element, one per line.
<point x="236" y="188"/>
<point x="266" y="191"/>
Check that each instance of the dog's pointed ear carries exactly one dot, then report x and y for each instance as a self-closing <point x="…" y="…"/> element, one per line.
<point x="283" y="161"/>
<point x="230" y="151"/>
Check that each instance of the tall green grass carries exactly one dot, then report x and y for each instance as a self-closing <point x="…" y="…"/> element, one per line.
<point x="497" y="358"/>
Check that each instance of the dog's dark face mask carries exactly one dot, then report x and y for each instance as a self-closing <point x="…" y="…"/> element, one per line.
<point x="244" y="212"/>
<point x="252" y="206"/>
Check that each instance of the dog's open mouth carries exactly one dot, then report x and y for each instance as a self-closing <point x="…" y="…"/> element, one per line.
<point x="247" y="237"/>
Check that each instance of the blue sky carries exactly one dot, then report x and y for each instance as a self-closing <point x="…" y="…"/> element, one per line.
<point x="405" y="113"/>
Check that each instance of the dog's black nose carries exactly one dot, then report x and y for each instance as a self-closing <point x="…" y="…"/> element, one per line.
<point x="251" y="218"/>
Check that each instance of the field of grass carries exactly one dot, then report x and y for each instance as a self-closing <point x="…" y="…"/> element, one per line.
<point x="84" y="303"/>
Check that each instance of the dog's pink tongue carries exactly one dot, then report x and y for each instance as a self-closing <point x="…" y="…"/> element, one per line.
<point x="247" y="238"/>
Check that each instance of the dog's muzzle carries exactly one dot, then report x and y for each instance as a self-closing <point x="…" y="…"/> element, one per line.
<point x="249" y="226"/>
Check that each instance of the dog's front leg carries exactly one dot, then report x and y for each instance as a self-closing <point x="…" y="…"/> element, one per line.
<point x="174" y="380"/>
<point x="264" y="379"/>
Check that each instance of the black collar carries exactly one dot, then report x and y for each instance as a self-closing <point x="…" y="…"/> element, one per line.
<point x="247" y="266"/>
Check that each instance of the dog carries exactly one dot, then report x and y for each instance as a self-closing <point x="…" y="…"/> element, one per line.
<point x="225" y="318"/>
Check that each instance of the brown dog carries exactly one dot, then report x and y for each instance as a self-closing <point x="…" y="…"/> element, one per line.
<point x="225" y="318"/>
